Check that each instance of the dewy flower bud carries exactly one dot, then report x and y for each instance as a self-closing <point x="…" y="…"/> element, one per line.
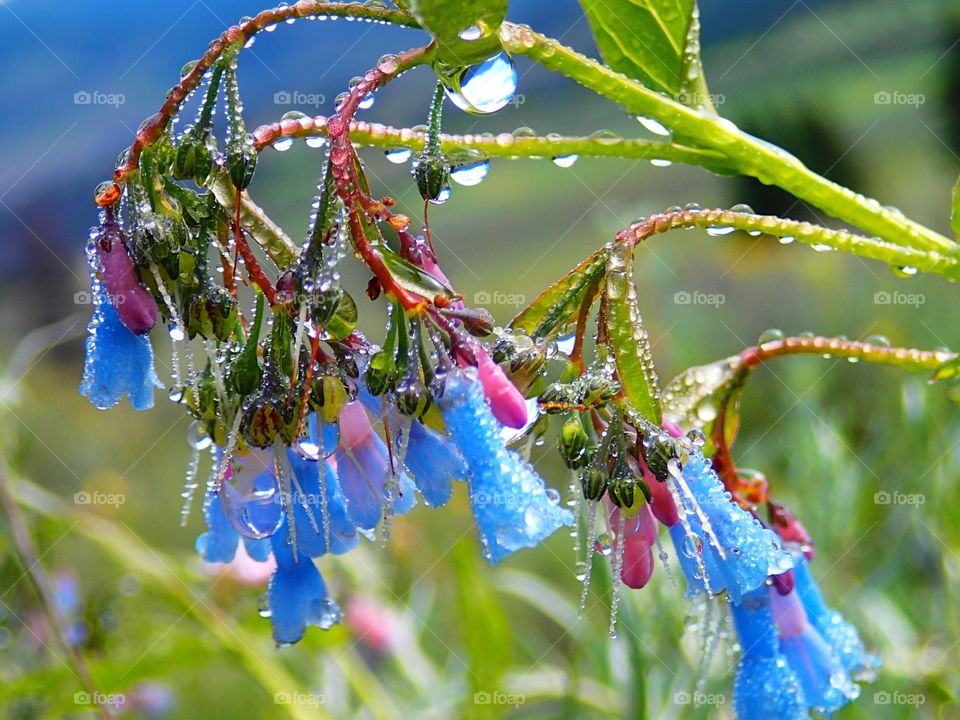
<point x="192" y="159"/>
<point x="328" y="396"/>
<point x="211" y="313"/>
<point x="593" y="481"/>
<point x="659" y="451"/>
<point x="241" y="165"/>
<point x="135" y="306"/>
<point x="432" y="174"/>
<point x="506" y="402"/>
<point x="622" y="492"/>
<point x="573" y="444"/>
<point x="380" y="373"/>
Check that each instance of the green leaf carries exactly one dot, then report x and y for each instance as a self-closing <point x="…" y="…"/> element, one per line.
<point x="558" y="305"/>
<point x="627" y="337"/>
<point x="344" y="320"/>
<point x="447" y="20"/>
<point x="696" y="396"/>
<point x="411" y="278"/>
<point x="654" y="41"/>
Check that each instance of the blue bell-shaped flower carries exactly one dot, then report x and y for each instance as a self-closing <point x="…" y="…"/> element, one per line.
<point x="765" y="686"/>
<point x="509" y="500"/>
<point x="118" y="362"/>
<point x="841" y="635"/>
<point x="737" y="552"/>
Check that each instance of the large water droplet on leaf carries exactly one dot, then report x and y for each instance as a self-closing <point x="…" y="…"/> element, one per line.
<point x="483" y="88"/>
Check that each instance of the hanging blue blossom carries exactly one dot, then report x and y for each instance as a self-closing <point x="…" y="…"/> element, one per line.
<point x="432" y="458"/>
<point x="765" y="687"/>
<point x="826" y="685"/>
<point x="297" y="595"/>
<point x="319" y="515"/>
<point x="118" y="362"/>
<point x="747" y="554"/>
<point x="841" y="635"/>
<point x="510" y="502"/>
<point x="363" y="467"/>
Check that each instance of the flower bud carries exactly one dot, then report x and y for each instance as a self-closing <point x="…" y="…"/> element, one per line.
<point x="328" y="396"/>
<point x="573" y="444"/>
<point x="432" y="174"/>
<point x="593" y="482"/>
<point x="380" y="373"/>
<point x="264" y="420"/>
<point x="622" y="492"/>
<point x="659" y="451"/>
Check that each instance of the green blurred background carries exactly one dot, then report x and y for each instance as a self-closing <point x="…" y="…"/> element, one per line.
<point x="179" y="640"/>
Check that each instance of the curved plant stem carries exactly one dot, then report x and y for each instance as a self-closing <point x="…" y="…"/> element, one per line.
<point x="502" y="145"/>
<point x="154" y="126"/>
<point x="909" y="359"/>
<point x="747" y="155"/>
<point x="946" y="263"/>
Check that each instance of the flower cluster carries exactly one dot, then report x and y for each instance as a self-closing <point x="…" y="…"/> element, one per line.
<point x="286" y="394"/>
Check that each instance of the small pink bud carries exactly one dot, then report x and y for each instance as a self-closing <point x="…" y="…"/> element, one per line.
<point x="135" y="306"/>
<point x="662" y="504"/>
<point x="506" y="402"/>
<point x="637" y="562"/>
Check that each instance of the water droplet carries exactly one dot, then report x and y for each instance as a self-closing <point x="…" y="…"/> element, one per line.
<point x="443" y="196"/>
<point x="904" y="271"/>
<point x="197" y="436"/>
<point x="471" y="33"/>
<point x="263" y="605"/>
<point x="472" y="174"/>
<point x="878" y="341"/>
<point x="786" y="239"/>
<point x="654" y="126"/>
<point x="283" y="145"/>
<point x="388" y="64"/>
<point x="742" y="208"/>
<point x="486" y="87"/>
<point x="176" y="333"/>
<point x="187" y="69"/>
<point x="821" y="247"/>
<point x="771" y="335"/>
<point x="565" y="161"/>
<point x="252" y="506"/>
<point x="176" y="393"/>
<point x="316" y="142"/>
<point x="366" y="102"/>
<point x="399" y="155"/>
<point x="719" y="230"/>
<point x="661" y="162"/>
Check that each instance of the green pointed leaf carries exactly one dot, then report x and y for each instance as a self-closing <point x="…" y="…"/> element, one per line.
<point x="648" y="40"/>
<point x="627" y="337"/>
<point x="411" y="278"/>
<point x="448" y="20"/>
<point x="558" y="305"/>
<point x="948" y="371"/>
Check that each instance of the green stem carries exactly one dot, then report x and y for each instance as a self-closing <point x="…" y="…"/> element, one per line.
<point x="746" y="154"/>
<point x="909" y="359"/>
<point x="503" y="145"/>
<point x="898" y="256"/>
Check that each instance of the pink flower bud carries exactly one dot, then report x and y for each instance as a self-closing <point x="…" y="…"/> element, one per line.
<point x="640" y="533"/>
<point x="507" y="403"/>
<point x="135" y="306"/>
